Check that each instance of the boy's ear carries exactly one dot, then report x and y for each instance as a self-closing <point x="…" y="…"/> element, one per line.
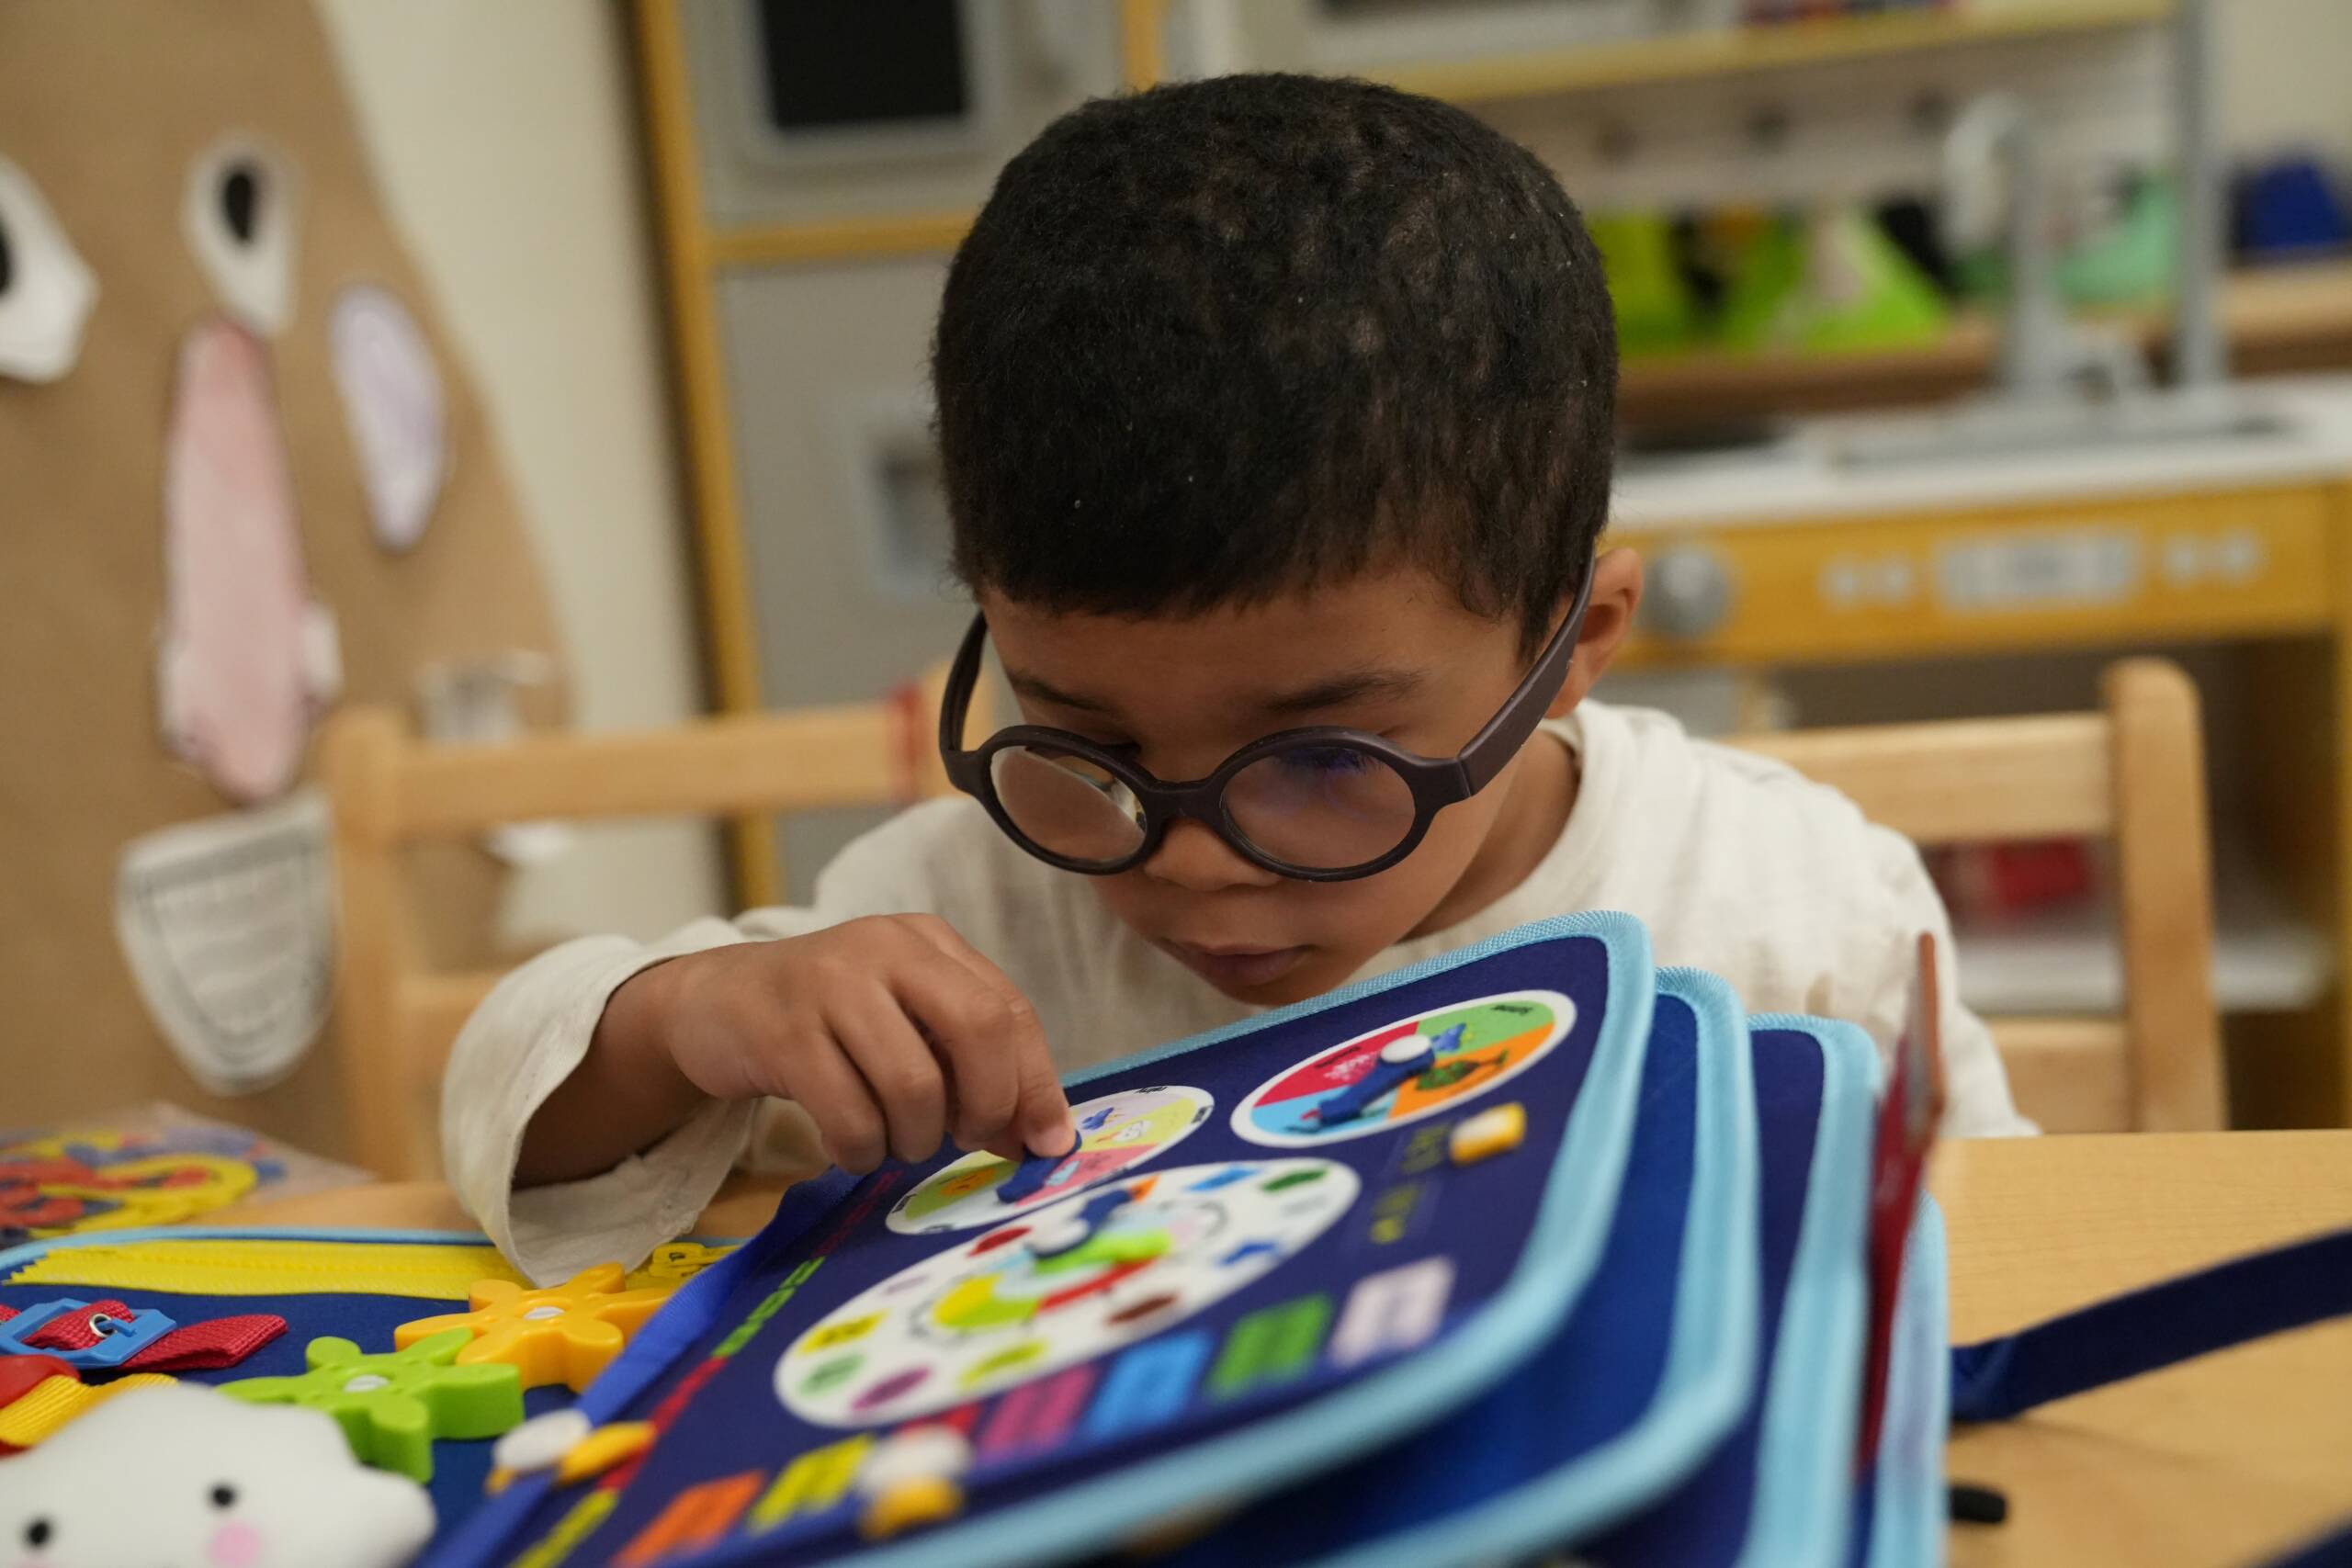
<point x="1616" y="594"/>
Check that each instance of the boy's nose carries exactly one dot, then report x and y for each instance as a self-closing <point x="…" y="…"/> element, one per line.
<point x="1192" y="857"/>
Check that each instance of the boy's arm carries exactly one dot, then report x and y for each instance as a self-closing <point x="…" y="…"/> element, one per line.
<point x="625" y="1095"/>
<point x="523" y="1046"/>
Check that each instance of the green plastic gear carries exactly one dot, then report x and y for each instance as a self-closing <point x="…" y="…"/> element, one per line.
<point x="392" y="1407"/>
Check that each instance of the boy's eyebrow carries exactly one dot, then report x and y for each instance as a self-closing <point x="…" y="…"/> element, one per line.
<point x="1044" y="691"/>
<point x="1335" y="691"/>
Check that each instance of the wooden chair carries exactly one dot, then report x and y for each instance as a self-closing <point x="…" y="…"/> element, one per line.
<point x="395" y="1017"/>
<point x="2132" y="773"/>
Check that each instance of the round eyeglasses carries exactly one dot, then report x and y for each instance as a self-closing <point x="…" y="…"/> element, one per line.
<point x="1321" y="805"/>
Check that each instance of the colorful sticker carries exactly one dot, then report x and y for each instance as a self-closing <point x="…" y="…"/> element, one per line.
<point x="1406" y="1071"/>
<point x="1115" y="1134"/>
<point x="1061" y="1285"/>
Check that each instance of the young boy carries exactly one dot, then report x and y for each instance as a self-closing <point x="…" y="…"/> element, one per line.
<point x="1267" y="404"/>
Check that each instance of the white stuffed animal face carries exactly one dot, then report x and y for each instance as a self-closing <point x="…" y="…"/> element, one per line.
<point x="184" y="1477"/>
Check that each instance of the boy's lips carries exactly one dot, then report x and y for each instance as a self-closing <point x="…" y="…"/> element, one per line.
<point x="1231" y="968"/>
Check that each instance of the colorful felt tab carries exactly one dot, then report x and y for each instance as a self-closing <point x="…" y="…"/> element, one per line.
<point x="603" y="1449"/>
<point x="564" y="1334"/>
<point x="674" y="1263"/>
<point x="20" y="1375"/>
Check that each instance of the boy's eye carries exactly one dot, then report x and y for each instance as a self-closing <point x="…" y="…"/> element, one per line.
<point x="1329" y="761"/>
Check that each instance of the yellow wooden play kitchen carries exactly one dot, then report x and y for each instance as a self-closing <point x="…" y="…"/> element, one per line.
<point x="1814" y="551"/>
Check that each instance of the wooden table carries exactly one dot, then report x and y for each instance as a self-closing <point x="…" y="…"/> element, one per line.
<point x="2222" y="1462"/>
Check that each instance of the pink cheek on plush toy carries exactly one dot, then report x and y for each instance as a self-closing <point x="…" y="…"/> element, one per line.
<point x="234" y="1545"/>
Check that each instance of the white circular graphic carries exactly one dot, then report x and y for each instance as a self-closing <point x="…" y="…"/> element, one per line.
<point x="1382" y="1080"/>
<point x="1115" y="1134"/>
<point x="1041" y="1294"/>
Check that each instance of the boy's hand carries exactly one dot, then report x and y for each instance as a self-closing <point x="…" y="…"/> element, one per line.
<point x="891" y="1031"/>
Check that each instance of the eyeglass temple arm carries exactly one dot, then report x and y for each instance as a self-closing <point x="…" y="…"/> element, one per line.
<point x="1517" y="718"/>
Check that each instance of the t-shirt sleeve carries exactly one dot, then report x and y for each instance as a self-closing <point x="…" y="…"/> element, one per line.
<point x="1976" y="1086"/>
<point x="532" y="1031"/>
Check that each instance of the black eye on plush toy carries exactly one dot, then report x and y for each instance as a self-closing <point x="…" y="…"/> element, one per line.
<point x="38" y="1533"/>
<point x="224" y="1496"/>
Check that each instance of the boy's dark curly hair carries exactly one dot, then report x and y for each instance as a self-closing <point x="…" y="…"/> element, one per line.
<point x="1227" y="338"/>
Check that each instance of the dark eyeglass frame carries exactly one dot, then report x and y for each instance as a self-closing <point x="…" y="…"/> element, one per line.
<point x="1435" y="783"/>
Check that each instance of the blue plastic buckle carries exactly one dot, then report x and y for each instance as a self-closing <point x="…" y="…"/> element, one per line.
<point x="123" y="1336"/>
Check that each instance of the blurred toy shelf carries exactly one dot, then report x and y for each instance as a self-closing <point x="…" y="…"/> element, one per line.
<point x="1699" y="54"/>
<point x="2279" y="319"/>
<point x="2067" y="961"/>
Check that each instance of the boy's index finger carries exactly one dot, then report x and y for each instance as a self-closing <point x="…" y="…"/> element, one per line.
<point x="961" y="1022"/>
<point x="1042" y="1112"/>
<point x="1009" y="1097"/>
<point x="1045" y="1120"/>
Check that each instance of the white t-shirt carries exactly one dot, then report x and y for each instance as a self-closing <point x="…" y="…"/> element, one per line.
<point x="1737" y="865"/>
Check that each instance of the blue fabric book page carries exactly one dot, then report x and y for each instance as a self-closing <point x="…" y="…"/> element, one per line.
<point x="1779" y="1489"/>
<point x="1627" y="1396"/>
<point x="1276" y="1248"/>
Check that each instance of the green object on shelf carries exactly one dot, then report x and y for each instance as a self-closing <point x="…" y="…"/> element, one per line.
<point x="1655" y="310"/>
<point x="2128" y="262"/>
<point x="1764" y="268"/>
<point x="1831" y="284"/>
<point x="2131" y="262"/>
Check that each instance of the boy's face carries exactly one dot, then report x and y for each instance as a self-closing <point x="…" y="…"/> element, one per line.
<point x="1390" y="651"/>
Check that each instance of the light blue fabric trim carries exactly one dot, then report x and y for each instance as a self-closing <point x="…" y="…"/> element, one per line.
<point x="1907" y="1523"/>
<point x="1804" y="1509"/>
<point x="1711" y="1360"/>
<point x="1562" y="1247"/>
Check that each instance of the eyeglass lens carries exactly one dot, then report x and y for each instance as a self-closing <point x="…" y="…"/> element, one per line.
<point x="1321" y="808"/>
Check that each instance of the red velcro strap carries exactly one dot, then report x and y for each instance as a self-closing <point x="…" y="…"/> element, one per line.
<point x="208" y="1347"/>
<point x="192" y="1347"/>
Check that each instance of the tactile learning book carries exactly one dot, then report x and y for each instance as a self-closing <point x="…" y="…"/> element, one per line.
<point x="1531" y="1248"/>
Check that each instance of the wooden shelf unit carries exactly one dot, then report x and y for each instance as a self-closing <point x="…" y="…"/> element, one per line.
<point x="1746" y="51"/>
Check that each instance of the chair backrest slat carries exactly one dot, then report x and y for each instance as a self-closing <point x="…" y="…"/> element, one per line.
<point x="395" y="1018"/>
<point x="2132" y="773"/>
<point x="1968" y="781"/>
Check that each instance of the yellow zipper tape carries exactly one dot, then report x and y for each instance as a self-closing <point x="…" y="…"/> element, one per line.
<point x="241" y="1265"/>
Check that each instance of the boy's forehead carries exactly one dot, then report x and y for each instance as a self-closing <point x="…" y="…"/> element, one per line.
<point x="1389" y="635"/>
